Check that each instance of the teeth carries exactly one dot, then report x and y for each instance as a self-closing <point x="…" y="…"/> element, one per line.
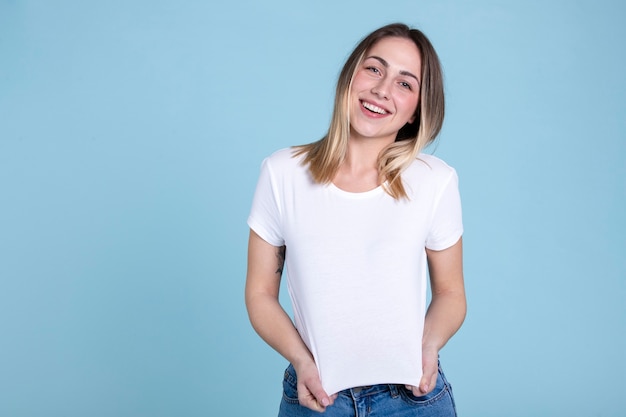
<point x="373" y="108"/>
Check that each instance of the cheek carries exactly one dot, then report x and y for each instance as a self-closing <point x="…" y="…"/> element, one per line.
<point x="359" y="82"/>
<point x="410" y="106"/>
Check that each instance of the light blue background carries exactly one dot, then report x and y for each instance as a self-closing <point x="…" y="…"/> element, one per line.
<point x="131" y="134"/>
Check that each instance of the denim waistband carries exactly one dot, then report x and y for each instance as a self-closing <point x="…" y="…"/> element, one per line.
<point x="371" y="390"/>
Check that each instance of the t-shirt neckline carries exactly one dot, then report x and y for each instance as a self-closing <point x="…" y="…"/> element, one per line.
<point x="357" y="195"/>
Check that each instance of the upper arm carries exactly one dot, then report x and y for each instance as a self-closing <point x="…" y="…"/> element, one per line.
<point x="265" y="266"/>
<point x="446" y="269"/>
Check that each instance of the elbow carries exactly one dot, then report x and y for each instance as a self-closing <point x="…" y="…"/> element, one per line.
<point x="259" y="307"/>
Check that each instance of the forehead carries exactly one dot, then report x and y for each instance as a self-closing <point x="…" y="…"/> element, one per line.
<point x="401" y="53"/>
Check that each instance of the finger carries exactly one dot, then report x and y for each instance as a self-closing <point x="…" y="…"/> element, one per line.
<point x="314" y="396"/>
<point x="322" y="398"/>
<point x="429" y="384"/>
<point x="428" y="381"/>
<point x="309" y="401"/>
<point x="312" y="404"/>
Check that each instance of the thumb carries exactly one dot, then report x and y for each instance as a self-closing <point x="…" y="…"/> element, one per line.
<point x="429" y="378"/>
<point x="313" y="395"/>
<point x="318" y="392"/>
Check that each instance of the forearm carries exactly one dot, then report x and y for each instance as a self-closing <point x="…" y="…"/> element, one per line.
<point x="272" y="323"/>
<point x="444" y="317"/>
<point x="275" y="327"/>
<point x="269" y="319"/>
<point x="447" y="308"/>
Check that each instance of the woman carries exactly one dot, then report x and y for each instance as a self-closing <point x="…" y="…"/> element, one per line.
<point x="361" y="218"/>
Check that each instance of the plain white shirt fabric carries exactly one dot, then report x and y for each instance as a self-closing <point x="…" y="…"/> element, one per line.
<point x="356" y="264"/>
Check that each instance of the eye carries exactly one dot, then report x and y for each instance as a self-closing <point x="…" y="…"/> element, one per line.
<point x="372" y="70"/>
<point x="406" y="85"/>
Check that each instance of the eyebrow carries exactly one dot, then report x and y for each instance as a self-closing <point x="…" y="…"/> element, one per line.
<point x="386" y="65"/>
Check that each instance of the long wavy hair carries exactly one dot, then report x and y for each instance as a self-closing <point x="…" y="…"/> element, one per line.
<point x="324" y="156"/>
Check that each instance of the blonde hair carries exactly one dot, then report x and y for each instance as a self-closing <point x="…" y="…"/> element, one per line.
<point x="324" y="157"/>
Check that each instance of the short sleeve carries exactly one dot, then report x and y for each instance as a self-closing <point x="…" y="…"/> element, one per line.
<point x="264" y="216"/>
<point x="447" y="224"/>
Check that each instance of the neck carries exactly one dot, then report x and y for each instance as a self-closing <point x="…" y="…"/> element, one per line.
<point x="362" y="153"/>
<point x="359" y="170"/>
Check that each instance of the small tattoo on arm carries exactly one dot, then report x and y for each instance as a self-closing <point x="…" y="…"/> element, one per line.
<point x="280" y="257"/>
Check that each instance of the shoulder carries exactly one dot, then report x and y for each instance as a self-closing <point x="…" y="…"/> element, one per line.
<point x="283" y="162"/>
<point x="284" y="156"/>
<point x="429" y="178"/>
<point x="281" y="155"/>
<point x="430" y="166"/>
<point x="428" y="174"/>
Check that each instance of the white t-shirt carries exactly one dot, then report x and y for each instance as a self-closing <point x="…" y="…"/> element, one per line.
<point x="356" y="264"/>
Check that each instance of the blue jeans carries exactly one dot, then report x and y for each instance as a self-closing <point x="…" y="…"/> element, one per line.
<point x="385" y="400"/>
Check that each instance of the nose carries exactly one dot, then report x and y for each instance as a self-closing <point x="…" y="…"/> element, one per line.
<point x="381" y="88"/>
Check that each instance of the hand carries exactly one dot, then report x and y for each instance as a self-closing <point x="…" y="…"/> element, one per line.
<point x="430" y="368"/>
<point x="311" y="394"/>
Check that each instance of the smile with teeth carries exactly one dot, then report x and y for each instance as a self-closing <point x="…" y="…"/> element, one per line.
<point x="373" y="108"/>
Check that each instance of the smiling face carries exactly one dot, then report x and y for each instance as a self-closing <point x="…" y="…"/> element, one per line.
<point x="385" y="89"/>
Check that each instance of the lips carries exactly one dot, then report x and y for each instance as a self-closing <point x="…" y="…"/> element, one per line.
<point x="374" y="108"/>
